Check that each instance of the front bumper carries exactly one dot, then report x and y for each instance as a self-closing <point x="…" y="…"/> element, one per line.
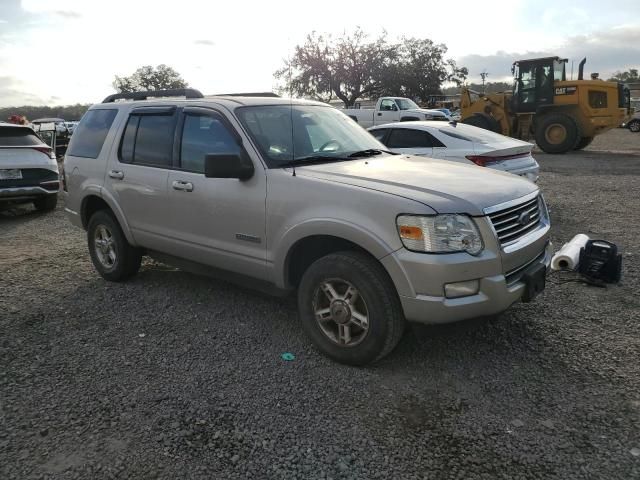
<point x="420" y="280"/>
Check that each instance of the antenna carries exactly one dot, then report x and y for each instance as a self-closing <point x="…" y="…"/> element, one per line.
<point x="484" y="75"/>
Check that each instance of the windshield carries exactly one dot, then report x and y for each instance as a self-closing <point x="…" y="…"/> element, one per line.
<point x="286" y="133"/>
<point x="406" y="104"/>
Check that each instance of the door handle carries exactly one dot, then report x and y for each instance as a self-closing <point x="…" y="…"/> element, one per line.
<point x="117" y="174"/>
<point x="182" y="186"/>
<point x="379" y="114"/>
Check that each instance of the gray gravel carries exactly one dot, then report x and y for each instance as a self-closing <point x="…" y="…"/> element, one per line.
<point x="172" y="375"/>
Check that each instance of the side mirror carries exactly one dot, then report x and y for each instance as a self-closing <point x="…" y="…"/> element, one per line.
<point x="227" y="166"/>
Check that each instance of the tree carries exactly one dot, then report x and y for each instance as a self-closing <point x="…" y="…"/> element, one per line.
<point x="147" y="77"/>
<point x="630" y="75"/>
<point x="355" y="66"/>
<point x="422" y="69"/>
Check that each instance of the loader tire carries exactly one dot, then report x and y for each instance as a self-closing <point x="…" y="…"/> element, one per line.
<point x="557" y="133"/>
<point x="583" y="143"/>
<point x="482" y="120"/>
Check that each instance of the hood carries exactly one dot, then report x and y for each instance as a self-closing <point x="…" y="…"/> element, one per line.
<point x="445" y="186"/>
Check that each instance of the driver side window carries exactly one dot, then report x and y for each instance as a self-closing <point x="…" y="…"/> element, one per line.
<point x="388" y="105"/>
<point x="202" y="135"/>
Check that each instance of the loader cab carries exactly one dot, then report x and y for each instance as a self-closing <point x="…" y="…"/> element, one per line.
<point x="534" y="80"/>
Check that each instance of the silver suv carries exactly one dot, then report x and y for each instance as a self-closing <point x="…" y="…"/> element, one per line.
<point x="295" y="196"/>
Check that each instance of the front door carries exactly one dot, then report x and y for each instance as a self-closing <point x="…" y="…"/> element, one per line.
<point x="388" y="113"/>
<point x="216" y="221"/>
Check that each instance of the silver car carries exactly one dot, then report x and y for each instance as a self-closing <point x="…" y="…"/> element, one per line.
<point x="293" y="196"/>
<point x="462" y="143"/>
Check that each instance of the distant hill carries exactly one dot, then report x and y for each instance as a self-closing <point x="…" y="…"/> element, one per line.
<point x="68" y="112"/>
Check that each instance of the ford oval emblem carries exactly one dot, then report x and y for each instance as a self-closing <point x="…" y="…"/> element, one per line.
<point x="524" y="218"/>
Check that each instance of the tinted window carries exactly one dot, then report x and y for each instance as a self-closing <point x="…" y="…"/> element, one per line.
<point x="90" y="133"/>
<point x="202" y="135"/>
<point x="154" y="140"/>
<point x="18" y="137"/>
<point x="407" y="138"/>
<point x="379" y="134"/>
<point x="128" y="139"/>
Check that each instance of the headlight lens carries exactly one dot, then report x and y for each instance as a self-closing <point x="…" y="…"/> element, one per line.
<point x="544" y="213"/>
<point x="440" y="233"/>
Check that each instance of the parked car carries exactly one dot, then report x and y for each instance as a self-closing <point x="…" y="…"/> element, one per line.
<point x="393" y="109"/>
<point x="460" y="143"/>
<point x="28" y="168"/>
<point x="70" y="126"/>
<point x="633" y="123"/>
<point x="291" y="195"/>
<point x="61" y="127"/>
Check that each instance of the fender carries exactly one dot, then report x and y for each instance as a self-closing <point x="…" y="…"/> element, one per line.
<point x="359" y="235"/>
<point x="105" y="195"/>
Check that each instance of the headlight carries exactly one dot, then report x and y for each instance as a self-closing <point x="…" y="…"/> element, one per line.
<point x="544" y="213"/>
<point x="440" y="233"/>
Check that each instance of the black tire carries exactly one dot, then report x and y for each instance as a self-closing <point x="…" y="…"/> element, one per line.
<point x="583" y="143"/>
<point x="127" y="258"/>
<point x="634" y="125"/>
<point x="484" y="121"/>
<point x="556" y="122"/>
<point x="46" y="204"/>
<point x="386" y="320"/>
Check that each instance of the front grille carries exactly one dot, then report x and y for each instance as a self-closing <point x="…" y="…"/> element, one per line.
<point x="514" y="222"/>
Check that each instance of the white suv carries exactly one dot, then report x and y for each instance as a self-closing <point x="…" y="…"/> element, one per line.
<point x="28" y="168"/>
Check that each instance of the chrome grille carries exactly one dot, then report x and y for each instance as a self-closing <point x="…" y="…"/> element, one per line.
<point x="514" y="222"/>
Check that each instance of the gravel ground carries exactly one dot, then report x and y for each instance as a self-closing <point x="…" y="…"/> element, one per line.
<point x="172" y="375"/>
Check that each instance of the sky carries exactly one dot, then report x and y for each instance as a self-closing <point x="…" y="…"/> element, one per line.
<point x="58" y="52"/>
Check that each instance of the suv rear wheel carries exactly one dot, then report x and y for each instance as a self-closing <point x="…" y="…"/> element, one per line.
<point x="114" y="258"/>
<point x="350" y="309"/>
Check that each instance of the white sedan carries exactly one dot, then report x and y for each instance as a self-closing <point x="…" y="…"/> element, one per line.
<point x="459" y="143"/>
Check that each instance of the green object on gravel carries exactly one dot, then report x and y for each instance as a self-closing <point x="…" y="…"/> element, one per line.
<point x="288" y="356"/>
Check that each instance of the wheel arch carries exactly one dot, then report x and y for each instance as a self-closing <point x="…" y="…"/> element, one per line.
<point x="302" y="245"/>
<point x="94" y="202"/>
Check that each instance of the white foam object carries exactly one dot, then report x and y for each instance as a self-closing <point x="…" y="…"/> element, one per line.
<point x="568" y="256"/>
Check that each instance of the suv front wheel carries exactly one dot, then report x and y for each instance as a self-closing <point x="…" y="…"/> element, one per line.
<point x="350" y="309"/>
<point x="114" y="258"/>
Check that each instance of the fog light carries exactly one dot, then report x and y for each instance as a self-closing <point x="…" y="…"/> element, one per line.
<point x="461" y="289"/>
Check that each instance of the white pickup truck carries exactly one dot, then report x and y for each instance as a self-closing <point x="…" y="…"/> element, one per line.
<point x="393" y="109"/>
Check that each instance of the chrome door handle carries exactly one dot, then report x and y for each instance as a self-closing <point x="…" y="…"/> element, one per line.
<point x="183" y="186"/>
<point x="117" y="174"/>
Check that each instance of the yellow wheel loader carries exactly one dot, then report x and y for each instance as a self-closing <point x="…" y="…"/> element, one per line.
<point x="560" y="114"/>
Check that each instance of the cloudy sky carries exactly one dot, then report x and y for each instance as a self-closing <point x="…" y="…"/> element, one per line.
<point x="68" y="51"/>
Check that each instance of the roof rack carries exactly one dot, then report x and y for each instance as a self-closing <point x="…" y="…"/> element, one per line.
<point x="176" y="92"/>
<point x="249" y="94"/>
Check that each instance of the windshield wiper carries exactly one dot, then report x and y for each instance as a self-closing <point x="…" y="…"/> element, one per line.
<point x="311" y="159"/>
<point x="369" y="152"/>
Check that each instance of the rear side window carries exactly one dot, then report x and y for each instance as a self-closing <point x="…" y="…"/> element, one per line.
<point x="408" y="138"/>
<point x="148" y="140"/>
<point x="18" y="137"/>
<point x="89" y="135"/>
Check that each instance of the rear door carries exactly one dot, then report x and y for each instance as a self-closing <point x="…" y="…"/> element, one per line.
<point x="216" y="221"/>
<point x="138" y="173"/>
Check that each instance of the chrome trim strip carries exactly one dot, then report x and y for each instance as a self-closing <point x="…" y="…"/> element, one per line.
<point x="527" y="239"/>
<point x="511" y="203"/>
